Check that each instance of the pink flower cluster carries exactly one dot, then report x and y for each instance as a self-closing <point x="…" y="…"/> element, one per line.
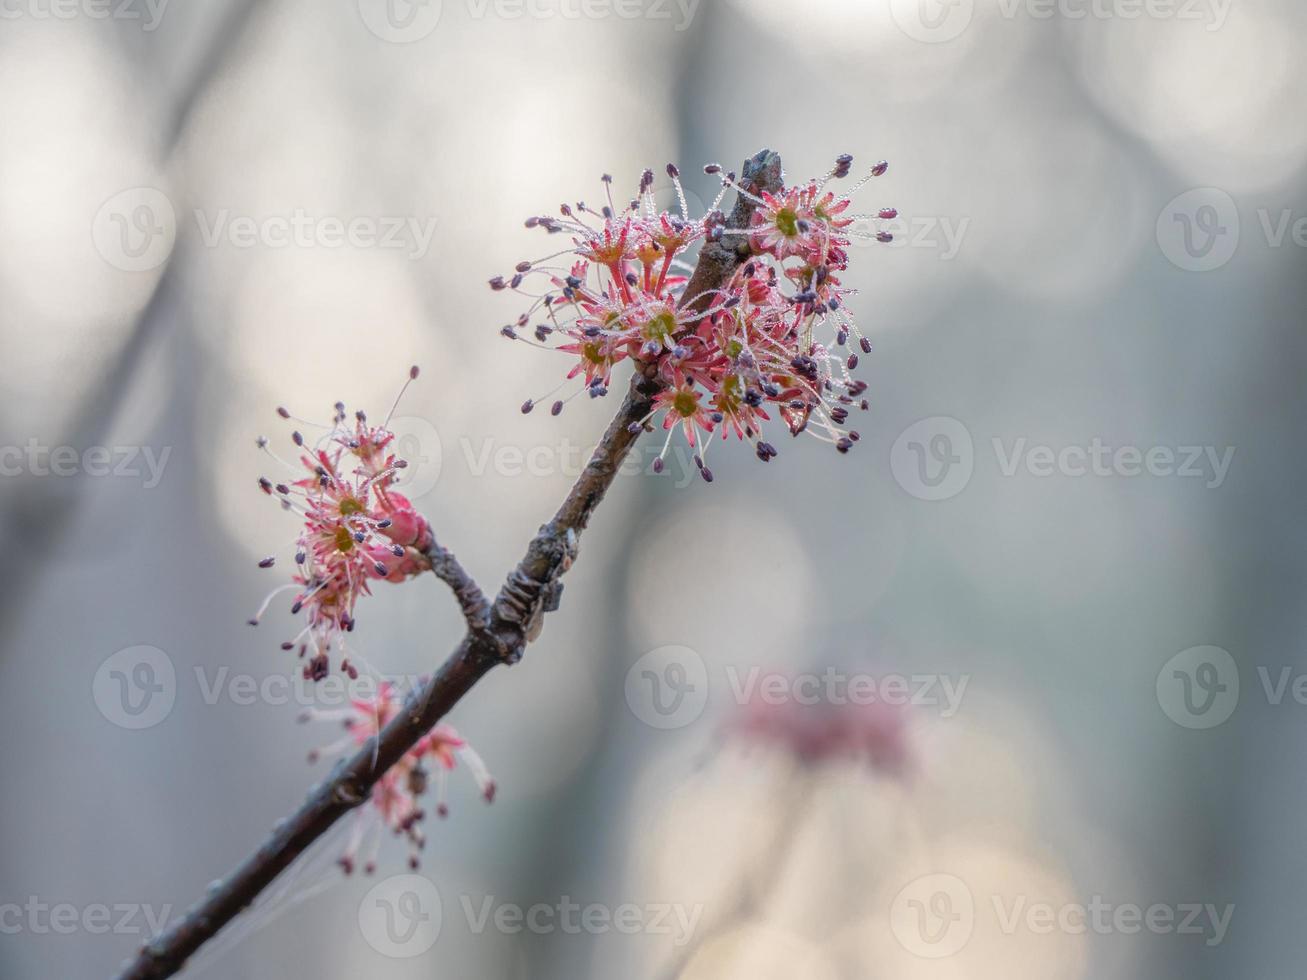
<point x="356" y="529"/>
<point x="395" y="801"/>
<point x="817" y="731"/>
<point x="772" y="339"/>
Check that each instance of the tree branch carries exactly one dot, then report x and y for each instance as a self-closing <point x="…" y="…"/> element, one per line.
<point x="497" y="633"/>
<point x="475" y="606"/>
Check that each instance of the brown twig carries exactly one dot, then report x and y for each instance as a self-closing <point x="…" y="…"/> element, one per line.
<point x="473" y="602"/>
<point x="497" y="633"/>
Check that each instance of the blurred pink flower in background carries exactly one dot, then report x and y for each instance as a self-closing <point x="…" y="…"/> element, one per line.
<point x="819" y="730"/>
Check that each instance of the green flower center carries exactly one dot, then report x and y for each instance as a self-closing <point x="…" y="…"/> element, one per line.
<point x="344" y="540"/>
<point x="686" y="403"/>
<point x="787" y="222"/>
<point x="660" y="327"/>
<point x="728" y="399"/>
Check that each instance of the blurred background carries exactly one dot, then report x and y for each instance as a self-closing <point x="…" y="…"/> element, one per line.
<point x="1072" y="529"/>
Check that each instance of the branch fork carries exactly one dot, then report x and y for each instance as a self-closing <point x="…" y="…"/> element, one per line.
<point x="498" y="632"/>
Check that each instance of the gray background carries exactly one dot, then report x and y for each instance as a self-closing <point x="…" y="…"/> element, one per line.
<point x="1041" y="290"/>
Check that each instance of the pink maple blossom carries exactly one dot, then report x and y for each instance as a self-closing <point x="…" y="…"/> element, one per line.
<point x="355" y="529"/>
<point x="771" y="336"/>
<point x="395" y="801"/>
